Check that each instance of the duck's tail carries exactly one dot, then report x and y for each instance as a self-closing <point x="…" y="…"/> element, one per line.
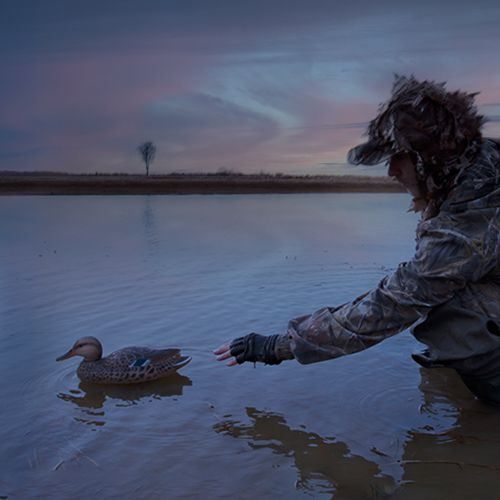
<point x="170" y="358"/>
<point x="182" y="361"/>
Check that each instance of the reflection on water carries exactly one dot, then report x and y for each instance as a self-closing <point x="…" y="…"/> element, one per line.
<point x="324" y="465"/>
<point x="461" y="456"/>
<point x="464" y="455"/>
<point x="91" y="398"/>
<point x="149" y="224"/>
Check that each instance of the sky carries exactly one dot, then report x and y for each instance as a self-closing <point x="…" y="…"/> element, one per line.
<point x="263" y="86"/>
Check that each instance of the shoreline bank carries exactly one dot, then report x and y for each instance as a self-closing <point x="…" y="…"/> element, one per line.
<point x="67" y="184"/>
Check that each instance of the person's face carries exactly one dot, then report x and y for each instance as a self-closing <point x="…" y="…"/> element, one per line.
<point x="403" y="169"/>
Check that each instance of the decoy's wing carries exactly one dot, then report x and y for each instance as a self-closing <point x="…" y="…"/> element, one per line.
<point x="170" y="358"/>
<point x="136" y="364"/>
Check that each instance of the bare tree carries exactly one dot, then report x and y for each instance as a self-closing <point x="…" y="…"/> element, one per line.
<point x="147" y="151"/>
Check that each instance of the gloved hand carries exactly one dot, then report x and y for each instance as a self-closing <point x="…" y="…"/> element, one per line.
<point x="270" y="350"/>
<point x="255" y="347"/>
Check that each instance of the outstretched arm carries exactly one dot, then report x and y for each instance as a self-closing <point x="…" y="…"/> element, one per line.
<point x="452" y="250"/>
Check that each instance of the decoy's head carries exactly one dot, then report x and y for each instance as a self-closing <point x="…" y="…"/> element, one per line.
<point x="87" y="347"/>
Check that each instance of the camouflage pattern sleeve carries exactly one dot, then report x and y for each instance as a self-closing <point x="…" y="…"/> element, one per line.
<point x="453" y="249"/>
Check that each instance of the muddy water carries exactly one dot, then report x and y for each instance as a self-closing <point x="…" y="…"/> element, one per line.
<point x="191" y="272"/>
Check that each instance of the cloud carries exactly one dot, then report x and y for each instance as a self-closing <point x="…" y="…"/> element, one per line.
<point x="282" y="84"/>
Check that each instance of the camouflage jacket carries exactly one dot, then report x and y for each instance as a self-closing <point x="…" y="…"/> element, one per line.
<point x="449" y="292"/>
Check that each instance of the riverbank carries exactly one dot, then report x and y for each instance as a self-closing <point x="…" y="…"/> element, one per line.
<point x="12" y="183"/>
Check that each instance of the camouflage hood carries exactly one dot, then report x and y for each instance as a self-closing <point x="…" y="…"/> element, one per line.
<point x="422" y="118"/>
<point x="441" y="130"/>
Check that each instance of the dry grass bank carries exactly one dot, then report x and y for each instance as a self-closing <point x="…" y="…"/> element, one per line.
<point x="12" y="183"/>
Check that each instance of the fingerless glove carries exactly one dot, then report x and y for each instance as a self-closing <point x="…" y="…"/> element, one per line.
<point x="270" y="350"/>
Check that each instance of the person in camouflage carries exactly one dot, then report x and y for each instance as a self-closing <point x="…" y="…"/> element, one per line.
<point x="449" y="292"/>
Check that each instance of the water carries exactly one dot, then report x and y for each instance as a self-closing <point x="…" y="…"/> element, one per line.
<point x="192" y="272"/>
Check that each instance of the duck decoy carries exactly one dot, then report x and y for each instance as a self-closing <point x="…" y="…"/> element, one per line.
<point x="125" y="366"/>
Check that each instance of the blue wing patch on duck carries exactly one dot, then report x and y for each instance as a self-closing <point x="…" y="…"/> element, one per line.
<point x="126" y="366"/>
<point x="140" y="362"/>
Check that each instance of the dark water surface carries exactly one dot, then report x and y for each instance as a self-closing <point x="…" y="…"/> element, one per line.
<point x="191" y="272"/>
